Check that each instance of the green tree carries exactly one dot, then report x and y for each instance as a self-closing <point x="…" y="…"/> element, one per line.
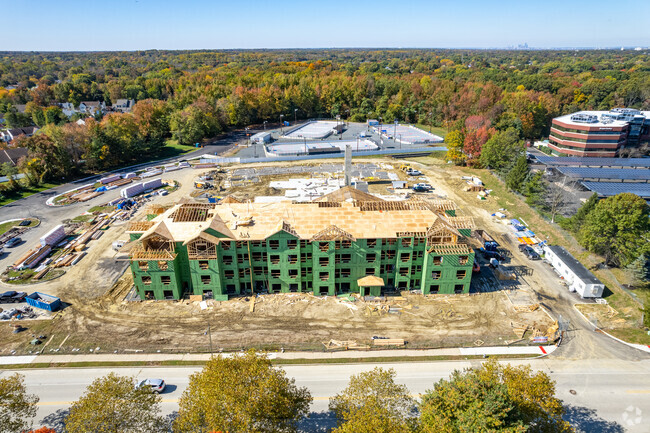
<point x="17" y="408"/>
<point x="455" y="141"/>
<point x="534" y="189"/>
<point x="9" y="170"/>
<point x="241" y="394"/>
<point x="618" y="228"/>
<point x="493" y="397"/>
<point x="373" y="402"/>
<point x="502" y="149"/>
<point x="517" y="175"/>
<point x="113" y="404"/>
<point x="640" y="270"/>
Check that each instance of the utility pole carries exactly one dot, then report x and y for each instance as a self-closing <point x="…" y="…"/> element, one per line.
<point x="210" y="337"/>
<point x="395" y="131"/>
<point x="265" y="125"/>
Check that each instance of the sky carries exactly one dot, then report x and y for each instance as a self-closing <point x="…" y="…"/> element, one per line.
<point x="98" y="25"/>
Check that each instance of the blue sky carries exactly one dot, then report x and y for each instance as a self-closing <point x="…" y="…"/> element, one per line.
<point x="59" y="25"/>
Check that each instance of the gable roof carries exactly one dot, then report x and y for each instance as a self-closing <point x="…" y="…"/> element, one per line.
<point x="12" y="155"/>
<point x="347" y="193"/>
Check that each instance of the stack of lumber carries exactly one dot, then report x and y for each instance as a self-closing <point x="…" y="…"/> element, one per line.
<point x="389" y="342"/>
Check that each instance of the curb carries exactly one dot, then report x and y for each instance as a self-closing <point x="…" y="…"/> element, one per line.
<point x="640" y="347"/>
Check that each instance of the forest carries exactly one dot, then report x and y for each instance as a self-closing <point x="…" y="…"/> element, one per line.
<point x="189" y="96"/>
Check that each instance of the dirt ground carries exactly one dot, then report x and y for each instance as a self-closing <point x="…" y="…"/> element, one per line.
<point x="97" y="316"/>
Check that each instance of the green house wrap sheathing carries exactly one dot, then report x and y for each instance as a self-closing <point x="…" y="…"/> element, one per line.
<point x="330" y="263"/>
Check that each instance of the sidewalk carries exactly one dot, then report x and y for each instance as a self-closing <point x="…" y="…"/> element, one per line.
<point x="349" y="354"/>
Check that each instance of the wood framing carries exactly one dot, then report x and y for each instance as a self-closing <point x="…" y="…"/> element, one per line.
<point x="332" y="233"/>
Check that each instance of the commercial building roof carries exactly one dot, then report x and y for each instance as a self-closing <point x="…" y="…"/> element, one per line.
<point x="608" y="189"/>
<point x="614" y="118"/>
<point x="574" y="265"/>
<point x="333" y="146"/>
<point x="576" y="161"/>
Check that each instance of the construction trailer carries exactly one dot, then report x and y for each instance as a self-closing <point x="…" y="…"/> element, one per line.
<point x="327" y="247"/>
<point x="579" y="279"/>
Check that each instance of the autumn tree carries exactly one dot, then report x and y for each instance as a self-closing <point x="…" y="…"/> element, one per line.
<point x="373" y="402"/>
<point x="454" y="141"/>
<point x="493" y="397"/>
<point x="473" y="144"/>
<point x="241" y="393"/>
<point x="17" y="407"/>
<point x="618" y="228"/>
<point x="113" y="404"/>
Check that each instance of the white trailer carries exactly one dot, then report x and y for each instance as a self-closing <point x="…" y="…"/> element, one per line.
<point x="579" y="279"/>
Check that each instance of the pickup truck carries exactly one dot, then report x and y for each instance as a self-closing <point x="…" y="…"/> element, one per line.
<point x="413" y="172"/>
<point x="422" y="187"/>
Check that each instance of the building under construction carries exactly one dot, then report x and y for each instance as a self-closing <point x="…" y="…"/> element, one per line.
<point x="344" y="242"/>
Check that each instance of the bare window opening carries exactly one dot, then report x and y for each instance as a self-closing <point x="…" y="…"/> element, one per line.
<point x="437" y="260"/>
<point x="345" y="272"/>
<point x="461" y="274"/>
<point x="304" y="257"/>
<point x="436" y="275"/>
<point x="323" y="261"/>
<point x="144" y="266"/>
<point x="293" y="273"/>
<point x="244" y="272"/>
<point x="275" y="259"/>
<point x="370" y="271"/>
<point x="405" y="257"/>
<point x="206" y="279"/>
<point x="242" y="258"/>
<point x="343" y="244"/>
<point x="275" y="273"/>
<point x="146" y="281"/>
<point x="163" y="265"/>
<point x="166" y="280"/>
<point x="406" y="242"/>
<point x="303" y="272"/>
<point x="229" y="273"/>
<point x="227" y="260"/>
<point x="324" y="276"/>
<point x="231" y="289"/>
<point x="434" y="288"/>
<point x="463" y="260"/>
<point x="293" y="288"/>
<point x="371" y="257"/>
<point x="458" y="288"/>
<point x="346" y="258"/>
<point x="276" y="288"/>
<point x="225" y="245"/>
<point x="303" y="243"/>
<point x="404" y="271"/>
<point x="292" y="258"/>
<point x="416" y="284"/>
<point x="390" y="254"/>
<point x="168" y="294"/>
<point x="240" y="244"/>
<point x="274" y="244"/>
<point x="323" y="290"/>
<point x="402" y="285"/>
<point x="292" y="244"/>
<point x="148" y="294"/>
<point x="203" y="264"/>
<point x="391" y="241"/>
<point x="258" y="270"/>
<point x="419" y="254"/>
<point x="324" y="246"/>
<point x="416" y="269"/>
<point x="371" y="243"/>
<point x="418" y="241"/>
<point x="390" y="268"/>
<point x="257" y="256"/>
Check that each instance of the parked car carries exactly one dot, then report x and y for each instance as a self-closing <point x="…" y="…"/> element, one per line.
<point x="531" y="253"/>
<point x="155" y="385"/>
<point x="492" y="255"/>
<point x="413" y="172"/>
<point x="12" y="296"/>
<point x="24" y="223"/>
<point x="422" y="187"/>
<point x="12" y="242"/>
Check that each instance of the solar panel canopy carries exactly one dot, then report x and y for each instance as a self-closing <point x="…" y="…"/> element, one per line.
<point x="591" y="162"/>
<point x="614" y="188"/>
<point x="604" y="173"/>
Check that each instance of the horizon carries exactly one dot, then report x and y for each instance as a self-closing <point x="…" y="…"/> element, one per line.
<point x="144" y="25"/>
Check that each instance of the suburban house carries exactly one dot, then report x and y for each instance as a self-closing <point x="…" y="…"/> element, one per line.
<point x="68" y="108"/>
<point x="123" y="105"/>
<point x="578" y="277"/>
<point x="21" y="108"/>
<point x="92" y="107"/>
<point x="12" y="155"/>
<point x="10" y="134"/>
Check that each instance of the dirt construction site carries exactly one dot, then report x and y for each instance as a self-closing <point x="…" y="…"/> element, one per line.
<point x="98" y="317"/>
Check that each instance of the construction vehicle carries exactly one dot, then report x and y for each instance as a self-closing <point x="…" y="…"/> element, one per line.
<point x="405" y="167"/>
<point x="202" y="184"/>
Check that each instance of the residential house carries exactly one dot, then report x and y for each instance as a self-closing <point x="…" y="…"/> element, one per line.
<point x="68" y="108"/>
<point x="12" y="155"/>
<point x="123" y="105"/>
<point x="92" y="107"/>
<point x="21" y="108"/>
<point x="10" y="134"/>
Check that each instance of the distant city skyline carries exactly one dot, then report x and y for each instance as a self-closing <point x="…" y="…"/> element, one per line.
<point x="71" y="25"/>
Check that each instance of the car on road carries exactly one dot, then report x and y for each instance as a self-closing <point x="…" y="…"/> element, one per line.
<point x="12" y="296"/>
<point x="13" y="242"/>
<point x="530" y="253"/>
<point x="155" y="385"/>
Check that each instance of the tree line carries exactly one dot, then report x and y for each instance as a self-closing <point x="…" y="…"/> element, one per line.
<point x="200" y="94"/>
<point x="246" y="393"/>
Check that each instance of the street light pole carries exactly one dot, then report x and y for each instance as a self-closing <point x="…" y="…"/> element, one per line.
<point x="281" y="125"/>
<point x="430" y="121"/>
<point x="295" y="116"/>
<point x="395" y="131"/>
<point x="264" y="125"/>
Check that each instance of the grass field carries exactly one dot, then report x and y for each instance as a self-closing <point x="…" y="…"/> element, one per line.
<point x="11" y="197"/>
<point x="6" y="226"/>
<point x="442" y="132"/>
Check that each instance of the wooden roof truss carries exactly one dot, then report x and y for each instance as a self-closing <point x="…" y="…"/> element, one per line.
<point x="157" y="243"/>
<point x="191" y="212"/>
<point x="440" y="234"/>
<point x="332" y="233"/>
<point x="461" y="222"/>
<point x="450" y="249"/>
<point x="139" y="226"/>
<point x="201" y="249"/>
<point x="140" y="253"/>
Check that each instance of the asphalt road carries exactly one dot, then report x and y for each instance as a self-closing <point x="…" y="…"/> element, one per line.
<point x="599" y="395"/>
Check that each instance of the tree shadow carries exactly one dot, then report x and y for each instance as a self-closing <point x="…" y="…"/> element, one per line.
<point x="56" y="420"/>
<point x="586" y="420"/>
<point x="317" y="422"/>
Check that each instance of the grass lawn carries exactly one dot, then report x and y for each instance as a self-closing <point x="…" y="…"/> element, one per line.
<point x="442" y="132"/>
<point x="25" y="192"/>
<point x="6" y="226"/>
<point x="172" y="149"/>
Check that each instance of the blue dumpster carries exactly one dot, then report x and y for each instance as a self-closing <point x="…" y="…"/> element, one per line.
<point x="43" y="301"/>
